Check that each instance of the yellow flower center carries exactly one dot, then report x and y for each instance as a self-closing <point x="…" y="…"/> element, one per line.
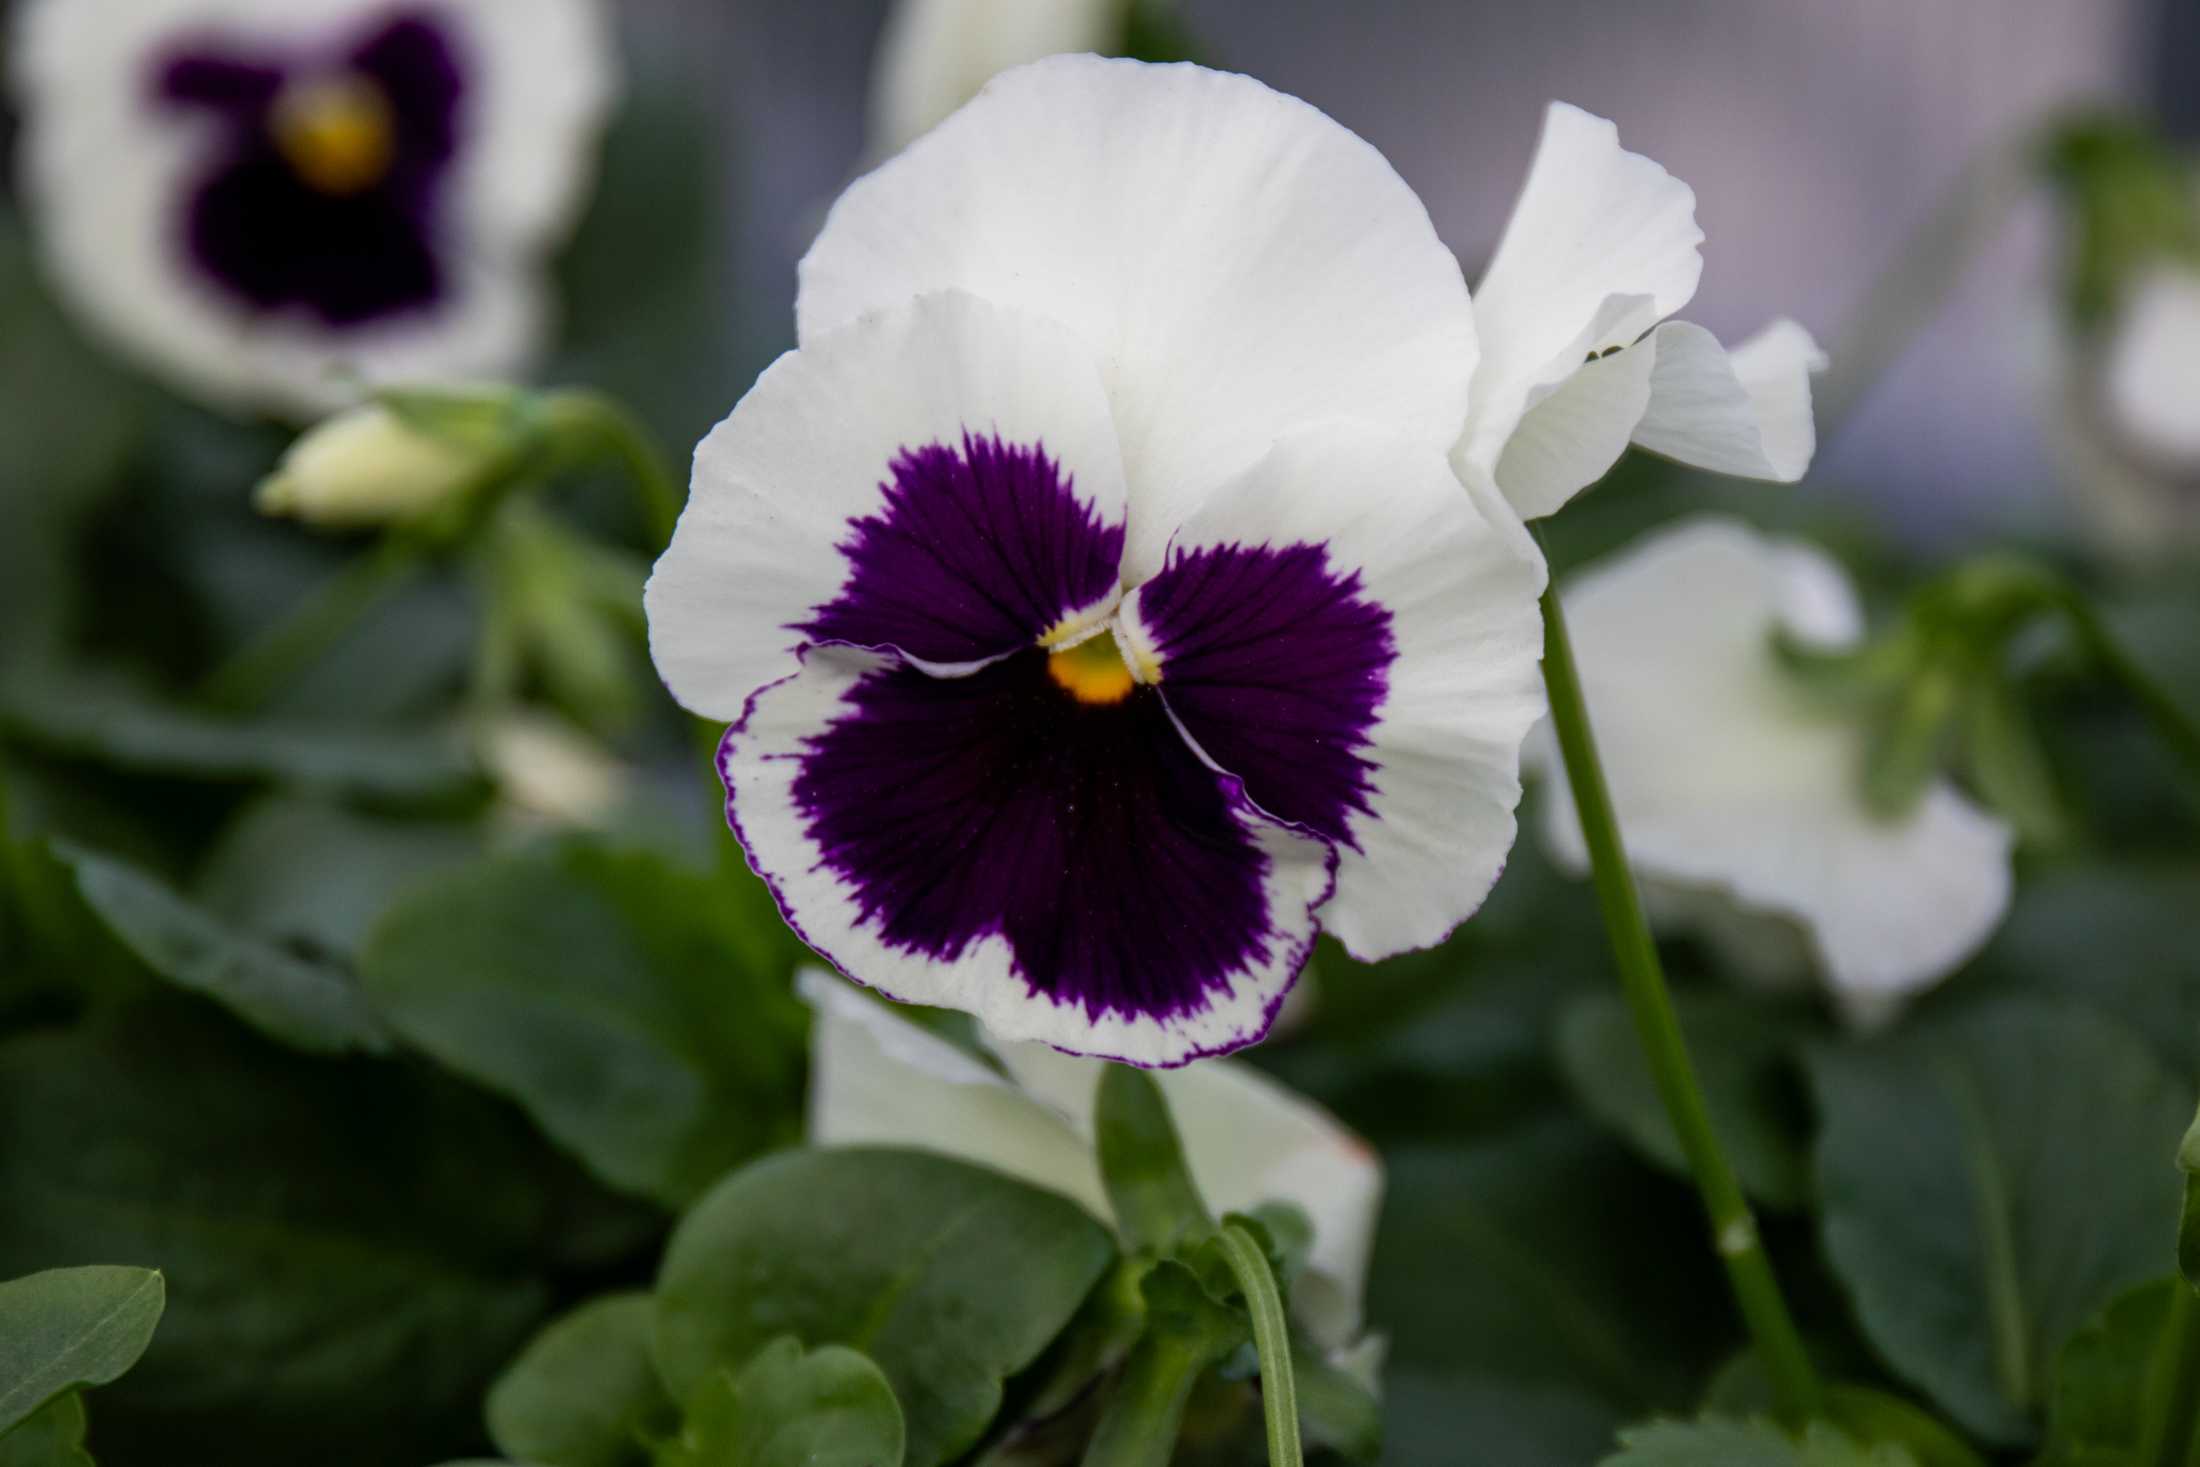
<point x="337" y="132"/>
<point x="1093" y="671"/>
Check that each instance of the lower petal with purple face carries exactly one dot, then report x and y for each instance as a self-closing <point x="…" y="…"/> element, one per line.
<point x="1068" y="870"/>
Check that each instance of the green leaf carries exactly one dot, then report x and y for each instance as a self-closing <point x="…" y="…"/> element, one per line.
<point x="314" y="873"/>
<point x="950" y="1276"/>
<point x="612" y="995"/>
<point x="71" y="1327"/>
<point x="1716" y="1443"/>
<point x="1150" y="1187"/>
<point x="309" y="1005"/>
<point x="585" y="1391"/>
<point x="1744" y="1051"/>
<point x="1541" y="1288"/>
<point x="1988" y="1181"/>
<point x="2103" y="1379"/>
<point x="109" y="721"/>
<point x="829" y="1407"/>
<point x="2188" y="1220"/>
<point x="52" y="1436"/>
<point x="351" y="1247"/>
<point x="2008" y="766"/>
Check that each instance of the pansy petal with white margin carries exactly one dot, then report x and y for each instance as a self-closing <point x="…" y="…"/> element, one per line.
<point x="1240" y="265"/>
<point x="878" y="1080"/>
<point x="1602" y="246"/>
<point x="1369" y="670"/>
<point x="1728" y="779"/>
<point x="271" y="200"/>
<point x="1069" y="872"/>
<point x="825" y="508"/>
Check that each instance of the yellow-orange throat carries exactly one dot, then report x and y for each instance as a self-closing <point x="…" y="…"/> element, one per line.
<point x="1093" y="671"/>
<point x="338" y="133"/>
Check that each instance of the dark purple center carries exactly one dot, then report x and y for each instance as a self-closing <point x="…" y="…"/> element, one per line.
<point x="270" y="235"/>
<point x="977" y="552"/>
<point x="1089" y="836"/>
<point x="1278" y="665"/>
<point x="1068" y="815"/>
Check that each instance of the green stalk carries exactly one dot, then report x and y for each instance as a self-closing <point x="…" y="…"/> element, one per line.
<point x="2173" y="1395"/>
<point x="1143" y="1417"/>
<point x="1733" y="1225"/>
<point x="250" y="677"/>
<point x="2172" y="724"/>
<point x="1279" y="1387"/>
<point x="580" y="417"/>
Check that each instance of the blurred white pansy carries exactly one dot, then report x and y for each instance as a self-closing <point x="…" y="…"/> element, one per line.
<point x="548" y="774"/>
<point x="1601" y="248"/>
<point x="877" y="1079"/>
<point x="2132" y="426"/>
<point x="1739" y="798"/>
<point x="271" y="201"/>
<point x="934" y="55"/>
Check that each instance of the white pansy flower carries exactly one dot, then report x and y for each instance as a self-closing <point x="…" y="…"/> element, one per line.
<point x="2131" y="427"/>
<point x="2151" y="376"/>
<point x="934" y="55"/>
<point x="1601" y="248"/>
<point x="878" y="1080"/>
<point x="272" y="201"/>
<point x="1734" y="788"/>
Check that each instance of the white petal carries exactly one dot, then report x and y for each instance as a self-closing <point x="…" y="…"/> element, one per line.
<point x="1241" y="265"/>
<point x="1727" y="778"/>
<point x="1601" y="246"/>
<point x="1576" y="432"/>
<point x="878" y="1080"/>
<point x="1249" y="1139"/>
<point x="766" y="755"/>
<point x="809" y="450"/>
<point x="1463" y="691"/>
<point x="106" y="172"/>
<point x="2152" y="374"/>
<point x="933" y="55"/>
<point x="1745" y="413"/>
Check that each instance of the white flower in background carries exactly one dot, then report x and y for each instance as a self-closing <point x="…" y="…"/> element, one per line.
<point x="1094" y="606"/>
<point x="366" y="467"/>
<point x="1601" y="248"/>
<point x="2132" y="429"/>
<point x="934" y="55"/>
<point x="1739" y="798"/>
<point x="876" y="1079"/>
<point x="548" y="773"/>
<point x="272" y="201"/>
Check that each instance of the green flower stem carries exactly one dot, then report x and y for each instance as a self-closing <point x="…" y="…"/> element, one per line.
<point x="1146" y="1412"/>
<point x="2173" y="1394"/>
<point x="1733" y="1226"/>
<point x="250" y="677"/>
<point x="1279" y="1389"/>
<point x="575" y="418"/>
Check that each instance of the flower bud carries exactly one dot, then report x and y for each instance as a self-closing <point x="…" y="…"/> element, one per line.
<point x="371" y="467"/>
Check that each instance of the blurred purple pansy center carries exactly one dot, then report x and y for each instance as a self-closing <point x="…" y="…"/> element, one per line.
<point x="325" y="188"/>
<point x="1086" y="781"/>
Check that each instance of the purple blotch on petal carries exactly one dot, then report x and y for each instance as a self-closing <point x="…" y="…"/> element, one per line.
<point x="1277" y="665"/>
<point x="264" y="236"/>
<point x="977" y="552"/>
<point x="1115" y="864"/>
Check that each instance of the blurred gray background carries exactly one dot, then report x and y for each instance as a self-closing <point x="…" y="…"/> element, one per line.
<point x="1818" y="135"/>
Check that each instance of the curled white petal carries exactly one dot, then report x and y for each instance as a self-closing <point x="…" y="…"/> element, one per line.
<point x="1241" y="265"/>
<point x="1727" y="779"/>
<point x="1602" y="245"/>
<point x="1576" y="431"/>
<point x="878" y="1079"/>
<point x="1745" y="412"/>
<point x="933" y="55"/>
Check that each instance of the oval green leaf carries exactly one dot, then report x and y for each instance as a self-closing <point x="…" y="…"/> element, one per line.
<point x="71" y="1327"/>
